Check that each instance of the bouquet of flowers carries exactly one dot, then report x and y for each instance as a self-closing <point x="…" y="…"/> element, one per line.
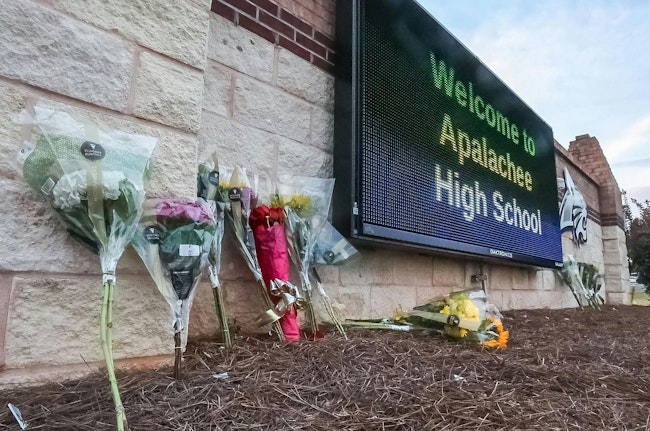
<point x="465" y="316"/>
<point x="173" y="240"/>
<point x="272" y="255"/>
<point x="239" y="197"/>
<point x="207" y="188"/>
<point x="331" y="248"/>
<point x="95" y="181"/>
<point x="306" y="201"/>
<point x="584" y="280"/>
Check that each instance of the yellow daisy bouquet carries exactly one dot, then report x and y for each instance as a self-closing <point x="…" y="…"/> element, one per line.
<point x="464" y="315"/>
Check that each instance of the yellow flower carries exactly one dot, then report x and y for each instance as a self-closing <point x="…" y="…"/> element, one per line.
<point x="228" y="185"/>
<point x="464" y="308"/>
<point x="502" y="336"/>
<point x="455" y="331"/>
<point x="401" y="316"/>
<point x="300" y="203"/>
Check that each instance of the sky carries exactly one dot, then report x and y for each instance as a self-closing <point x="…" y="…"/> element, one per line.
<point x="582" y="66"/>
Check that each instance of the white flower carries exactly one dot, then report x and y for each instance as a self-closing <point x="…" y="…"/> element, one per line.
<point x="70" y="190"/>
<point x="112" y="180"/>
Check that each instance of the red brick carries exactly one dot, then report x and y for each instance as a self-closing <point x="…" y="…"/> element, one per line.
<point x="311" y="45"/>
<point x="294" y="47"/>
<point x="318" y="23"/>
<point x="277" y="25"/>
<point x="223" y="10"/>
<point x="319" y="62"/>
<point x="331" y="57"/>
<point x="330" y="5"/>
<point x="304" y="13"/>
<point x="288" y="5"/>
<point x="271" y="8"/>
<point x="295" y="22"/>
<point x="256" y="28"/>
<point x="325" y="40"/>
<point x="243" y="6"/>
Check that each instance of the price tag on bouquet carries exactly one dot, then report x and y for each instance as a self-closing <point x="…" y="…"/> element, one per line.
<point x="189" y="250"/>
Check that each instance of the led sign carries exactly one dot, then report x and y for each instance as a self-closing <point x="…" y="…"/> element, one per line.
<point x="432" y="150"/>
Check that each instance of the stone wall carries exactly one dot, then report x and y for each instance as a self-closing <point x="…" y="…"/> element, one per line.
<point x="251" y="79"/>
<point x="133" y="65"/>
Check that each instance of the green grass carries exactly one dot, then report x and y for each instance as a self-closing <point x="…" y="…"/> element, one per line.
<point x="641" y="298"/>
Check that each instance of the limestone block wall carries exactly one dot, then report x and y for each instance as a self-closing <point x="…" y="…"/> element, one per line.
<point x="133" y="65"/>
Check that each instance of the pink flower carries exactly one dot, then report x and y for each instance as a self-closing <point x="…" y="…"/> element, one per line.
<point x="183" y="208"/>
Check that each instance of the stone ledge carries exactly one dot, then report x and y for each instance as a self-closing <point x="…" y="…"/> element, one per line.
<point x="24" y="377"/>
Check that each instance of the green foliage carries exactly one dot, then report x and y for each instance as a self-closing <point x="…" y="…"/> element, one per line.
<point x="642" y="261"/>
<point x="637" y="232"/>
<point x="585" y="282"/>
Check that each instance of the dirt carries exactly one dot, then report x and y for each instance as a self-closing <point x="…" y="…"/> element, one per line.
<point x="562" y="370"/>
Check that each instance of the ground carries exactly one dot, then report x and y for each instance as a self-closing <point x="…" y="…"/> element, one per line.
<point x="562" y="370"/>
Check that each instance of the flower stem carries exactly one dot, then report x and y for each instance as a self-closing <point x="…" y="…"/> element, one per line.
<point x="221" y="315"/>
<point x="330" y="311"/>
<point x="327" y="303"/>
<point x="269" y="306"/>
<point x="107" y="349"/>
<point x="311" y="315"/>
<point x="178" y="355"/>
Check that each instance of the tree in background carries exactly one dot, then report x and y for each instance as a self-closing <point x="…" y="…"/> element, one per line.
<point x="637" y="232"/>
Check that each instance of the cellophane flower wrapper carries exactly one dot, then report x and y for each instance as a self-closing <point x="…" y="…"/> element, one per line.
<point x="583" y="280"/>
<point x="94" y="179"/>
<point x="306" y="201"/>
<point x="239" y="195"/>
<point x="462" y="316"/>
<point x="174" y="240"/>
<point x="273" y="258"/>
<point x="237" y="207"/>
<point x="332" y="248"/>
<point x="465" y="315"/>
<point x="63" y="164"/>
<point x="208" y="190"/>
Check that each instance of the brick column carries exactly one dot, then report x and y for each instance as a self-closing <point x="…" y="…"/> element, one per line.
<point x="586" y="151"/>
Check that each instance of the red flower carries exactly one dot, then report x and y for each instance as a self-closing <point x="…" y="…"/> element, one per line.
<point x="265" y="216"/>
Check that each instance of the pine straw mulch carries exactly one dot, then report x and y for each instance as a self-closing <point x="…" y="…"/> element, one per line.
<point x="563" y="369"/>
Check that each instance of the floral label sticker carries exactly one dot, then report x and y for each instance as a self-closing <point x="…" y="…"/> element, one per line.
<point x="47" y="187"/>
<point x="23" y="154"/>
<point x="235" y="194"/>
<point x="329" y="256"/>
<point x="182" y="282"/>
<point x="152" y="234"/>
<point x="189" y="250"/>
<point x="92" y="151"/>
<point x="213" y="178"/>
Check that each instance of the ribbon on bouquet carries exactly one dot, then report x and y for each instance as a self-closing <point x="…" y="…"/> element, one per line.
<point x="289" y="296"/>
<point x="93" y="153"/>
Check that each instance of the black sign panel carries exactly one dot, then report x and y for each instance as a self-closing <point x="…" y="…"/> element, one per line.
<point x="432" y="150"/>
